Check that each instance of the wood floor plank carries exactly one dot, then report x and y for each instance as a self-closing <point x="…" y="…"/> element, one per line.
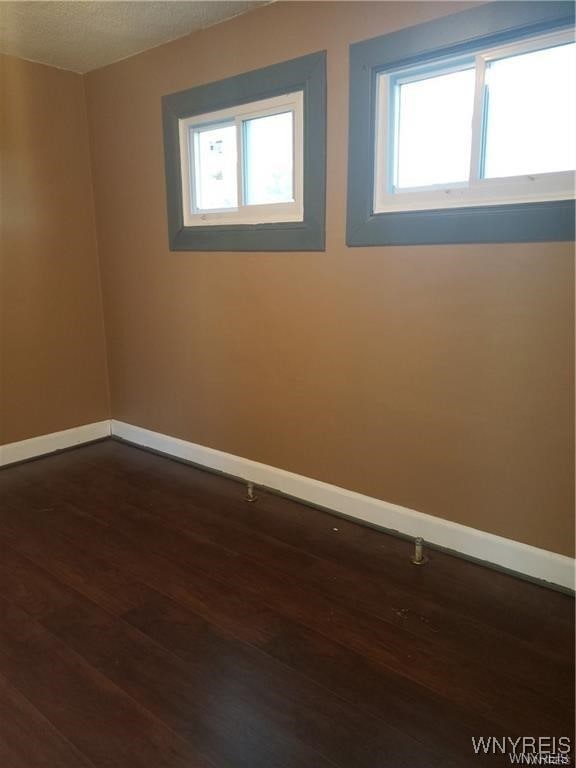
<point x="93" y="714"/>
<point x="28" y="740"/>
<point x="364" y="548"/>
<point x="543" y="672"/>
<point x="303" y="708"/>
<point x="479" y="594"/>
<point x="226" y="629"/>
<point x="408" y="708"/>
<point x="216" y="663"/>
<point x="256" y="625"/>
<point x="207" y="708"/>
<point x="430" y="720"/>
<point x="220" y="576"/>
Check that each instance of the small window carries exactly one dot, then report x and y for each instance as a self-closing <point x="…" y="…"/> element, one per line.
<point x="497" y="128"/>
<point x="462" y="129"/>
<point x="244" y="165"/>
<point x="245" y="160"/>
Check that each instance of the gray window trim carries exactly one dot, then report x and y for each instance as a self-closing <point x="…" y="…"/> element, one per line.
<point x="467" y="31"/>
<point x="308" y="74"/>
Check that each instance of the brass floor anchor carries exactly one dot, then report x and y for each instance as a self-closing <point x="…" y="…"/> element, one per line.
<point x="250" y="495"/>
<point x="418" y="558"/>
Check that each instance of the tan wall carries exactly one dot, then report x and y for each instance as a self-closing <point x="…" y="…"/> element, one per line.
<point x="435" y="377"/>
<point x="52" y="351"/>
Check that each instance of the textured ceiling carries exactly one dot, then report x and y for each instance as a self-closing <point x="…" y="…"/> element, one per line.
<point x="84" y="35"/>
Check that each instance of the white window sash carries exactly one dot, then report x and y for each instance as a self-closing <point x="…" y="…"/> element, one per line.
<point x="477" y="191"/>
<point x="243" y="213"/>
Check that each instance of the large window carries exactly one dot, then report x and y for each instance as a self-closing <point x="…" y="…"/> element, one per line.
<point x="469" y="141"/>
<point x="245" y="160"/>
<point x="499" y="127"/>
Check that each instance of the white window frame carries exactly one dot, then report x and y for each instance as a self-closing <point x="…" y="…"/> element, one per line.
<point x="477" y="191"/>
<point x="243" y="213"/>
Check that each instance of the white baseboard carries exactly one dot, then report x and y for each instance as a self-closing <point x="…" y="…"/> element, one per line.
<point x="56" y="441"/>
<point x="496" y="550"/>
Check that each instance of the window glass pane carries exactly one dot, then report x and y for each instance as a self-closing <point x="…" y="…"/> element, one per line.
<point x="434" y="133"/>
<point x="215" y="173"/>
<point x="269" y="159"/>
<point x="531" y="123"/>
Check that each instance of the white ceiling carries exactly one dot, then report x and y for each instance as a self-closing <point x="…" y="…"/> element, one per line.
<point x="81" y="35"/>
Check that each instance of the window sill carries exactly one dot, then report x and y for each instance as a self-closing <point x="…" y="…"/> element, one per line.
<point x="523" y="223"/>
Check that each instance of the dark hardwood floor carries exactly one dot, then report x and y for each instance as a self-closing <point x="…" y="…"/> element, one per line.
<point x="151" y="618"/>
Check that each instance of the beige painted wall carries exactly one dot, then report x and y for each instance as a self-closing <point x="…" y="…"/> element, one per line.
<point x="436" y="377"/>
<point x="52" y="352"/>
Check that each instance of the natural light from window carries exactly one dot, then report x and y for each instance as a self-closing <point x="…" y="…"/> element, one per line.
<point x="269" y="159"/>
<point x="244" y="164"/>
<point x="434" y="130"/>
<point x="215" y="159"/>
<point x="496" y="127"/>
<point x="531" y="116"/>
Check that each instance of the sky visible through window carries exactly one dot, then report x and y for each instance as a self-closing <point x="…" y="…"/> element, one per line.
<point x="435" y="130"/>
<point x="531" y="125"/>
<point x="530" y="120"/>
<point x="269" y="159"/>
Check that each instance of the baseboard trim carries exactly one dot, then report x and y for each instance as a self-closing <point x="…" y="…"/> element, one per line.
<point x="522" y="559"/>
<point x="10" y="453"/>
